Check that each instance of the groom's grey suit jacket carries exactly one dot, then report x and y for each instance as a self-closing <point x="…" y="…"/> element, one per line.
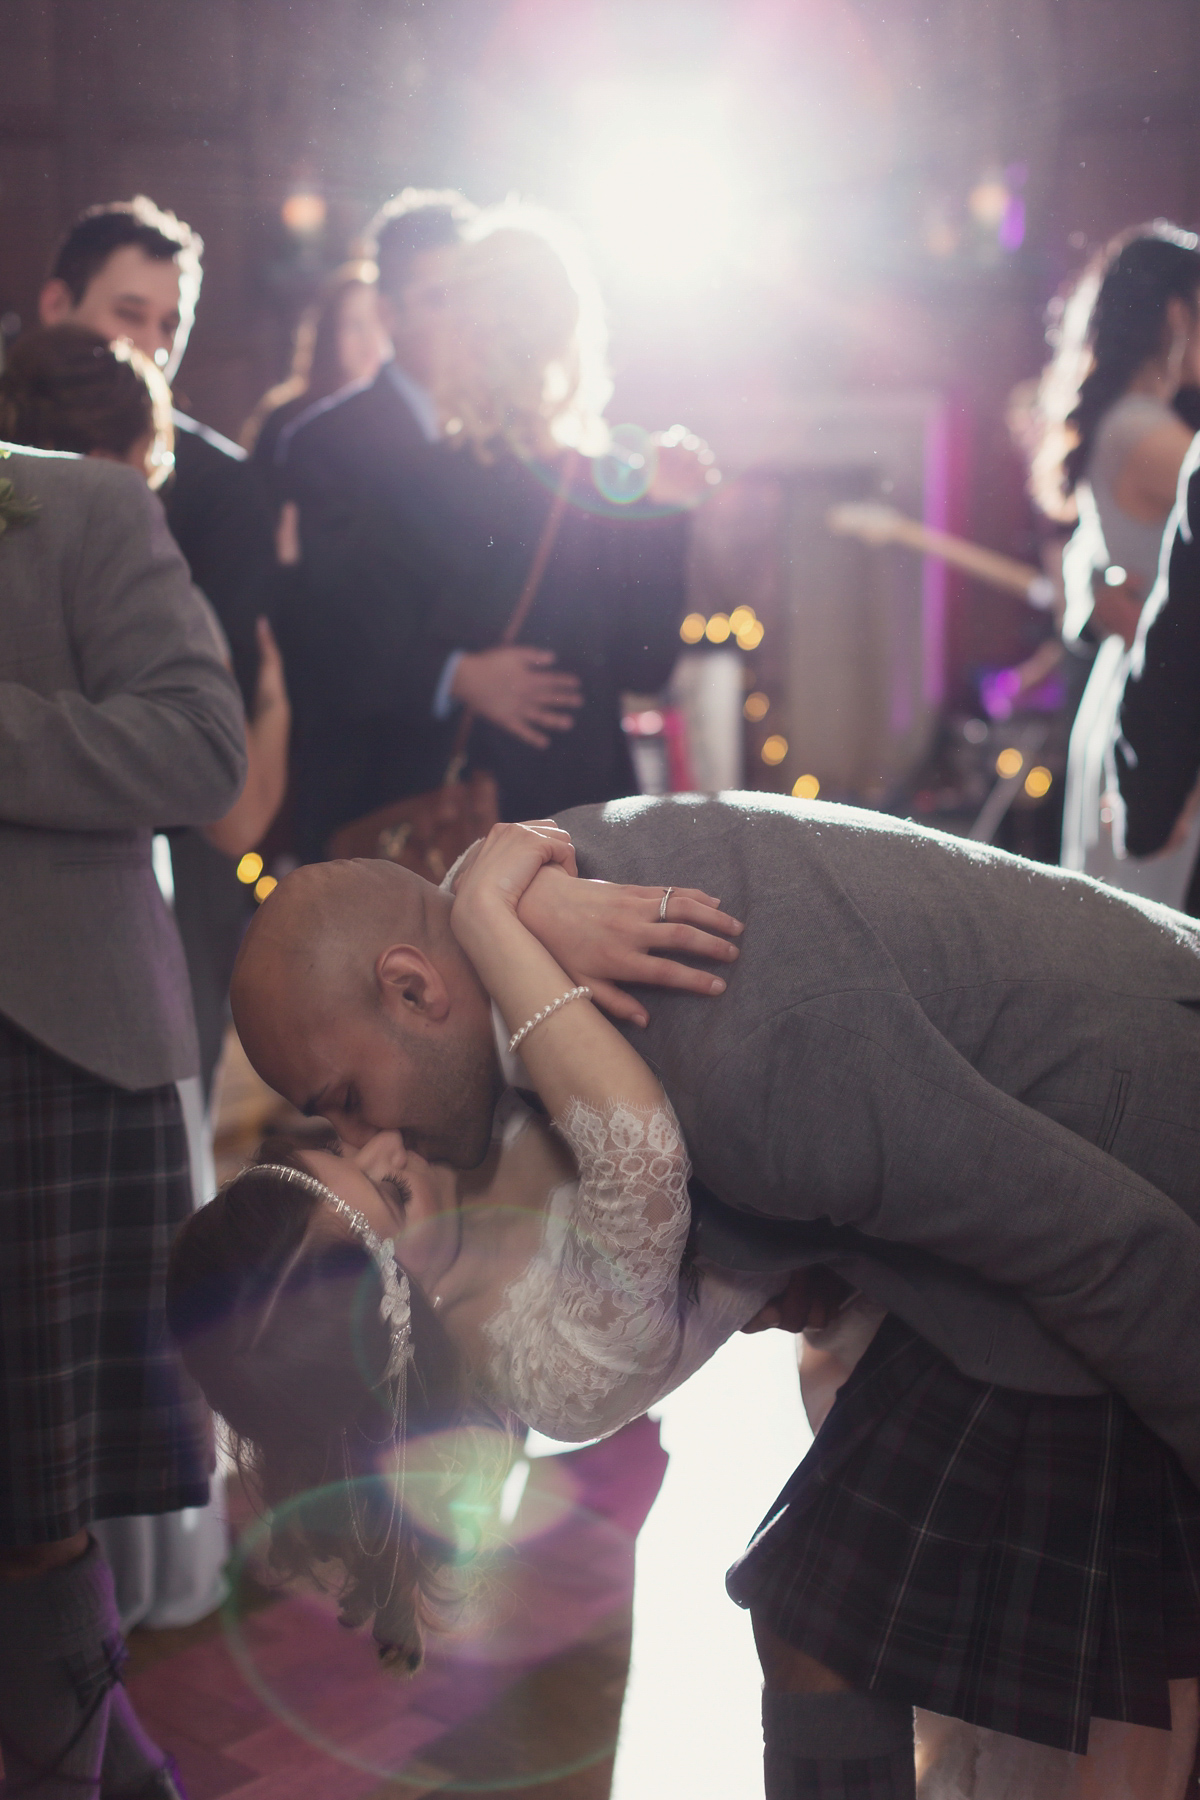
<point x="117" y="716"/>
<point x="969" y="1082"/>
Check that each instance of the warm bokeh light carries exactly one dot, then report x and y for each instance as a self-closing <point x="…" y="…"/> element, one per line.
<point x="752" y="636"/>
<point x="717" y="629"/>
<point x="807" y="788"/>
<point x="250" y="868"/>
<point x="303" y="213"/>
<point x="1009" y="763"/>
<point x="774" y="750"/>
<point x="757" y="707"/>
<point x="741" y="619"/>
<point x="692" y="629"/>
<point x="265" y="887"/>
<point x="1038" y="782"/>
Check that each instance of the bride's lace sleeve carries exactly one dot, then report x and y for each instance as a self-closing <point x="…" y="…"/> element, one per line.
<point x="588" y="1334"/>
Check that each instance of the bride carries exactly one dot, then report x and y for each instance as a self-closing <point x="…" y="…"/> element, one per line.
<point x="550" y="1284"/>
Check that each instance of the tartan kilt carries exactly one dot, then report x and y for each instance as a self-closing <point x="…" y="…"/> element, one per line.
<point x="1019" y="1561"/>
<point x="97" y="1417"/>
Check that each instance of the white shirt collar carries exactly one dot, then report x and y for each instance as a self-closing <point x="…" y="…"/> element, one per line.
<point x="418" y="400"/>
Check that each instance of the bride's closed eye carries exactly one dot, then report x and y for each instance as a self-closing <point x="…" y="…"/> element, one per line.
<point x="396" y="1189"/>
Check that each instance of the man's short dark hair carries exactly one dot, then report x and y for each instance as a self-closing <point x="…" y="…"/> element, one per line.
<point x="417" y="220"/>
<point x="101" y="230"/>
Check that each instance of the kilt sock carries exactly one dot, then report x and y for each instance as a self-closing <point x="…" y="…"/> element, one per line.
<point x="60" y="1657"/>
<point x="840" y="1746"/>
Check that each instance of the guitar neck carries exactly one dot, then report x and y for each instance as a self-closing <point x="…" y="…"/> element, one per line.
<point x="986" y="565"/>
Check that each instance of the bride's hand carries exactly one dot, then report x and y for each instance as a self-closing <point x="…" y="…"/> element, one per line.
<point x="500" y="869"/>
<point x="602" y="933"/>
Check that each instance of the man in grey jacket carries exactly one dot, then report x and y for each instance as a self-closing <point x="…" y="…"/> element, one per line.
<point x="117" y="717"/>
<point x="971" y="1085"/>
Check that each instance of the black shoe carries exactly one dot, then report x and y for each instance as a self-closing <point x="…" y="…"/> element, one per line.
<point x="165" y="1784"/>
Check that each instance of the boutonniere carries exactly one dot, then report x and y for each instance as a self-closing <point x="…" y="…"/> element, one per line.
<point x="13" y="510"/>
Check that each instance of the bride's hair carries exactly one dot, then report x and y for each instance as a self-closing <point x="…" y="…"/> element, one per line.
<point x="277" y="1318"/>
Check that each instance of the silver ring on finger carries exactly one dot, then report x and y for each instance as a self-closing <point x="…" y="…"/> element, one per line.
<point x="662" y="905"/>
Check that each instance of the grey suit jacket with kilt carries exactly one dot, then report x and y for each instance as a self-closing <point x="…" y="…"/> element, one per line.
<point x="117" y="716"/>
<point x="969" y="1082"/>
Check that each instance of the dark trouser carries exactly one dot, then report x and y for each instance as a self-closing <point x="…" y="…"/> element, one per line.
<point x="837" y="1747"/>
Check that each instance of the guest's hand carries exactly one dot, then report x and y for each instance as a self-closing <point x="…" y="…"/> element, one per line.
<point x="811" y="1299"/>
<point x="601" y="933"/>
<point x="520" y="690"/>
<point x="1116" y="610"/>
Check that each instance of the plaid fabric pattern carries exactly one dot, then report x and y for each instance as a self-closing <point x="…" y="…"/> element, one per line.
<point x="1020" y="1561"/>
<point x="97" y="1418"/>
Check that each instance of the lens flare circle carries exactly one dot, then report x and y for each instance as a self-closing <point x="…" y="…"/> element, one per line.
<point x="624" y="473"/>
<point x="509" y="1611"/>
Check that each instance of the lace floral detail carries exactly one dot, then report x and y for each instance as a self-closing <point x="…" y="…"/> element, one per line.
<point x="587" y="1335"/>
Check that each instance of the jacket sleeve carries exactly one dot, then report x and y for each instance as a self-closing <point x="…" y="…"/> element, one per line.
<point x="155" y="733"/>
<point x="1158" y="753"/>
<point x="864" y="1114"/>
<point x="358" y="614"/>
<point x="653" y="598"/>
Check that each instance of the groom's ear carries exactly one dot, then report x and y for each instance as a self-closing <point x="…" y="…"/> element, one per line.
<point x="410" y="986"/>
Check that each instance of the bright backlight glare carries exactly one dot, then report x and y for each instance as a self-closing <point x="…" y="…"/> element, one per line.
<point x="656" y="179"/>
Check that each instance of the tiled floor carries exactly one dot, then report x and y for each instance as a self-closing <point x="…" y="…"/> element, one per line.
<point x="273" y="1700"/>
<point x="293" y="1707"/>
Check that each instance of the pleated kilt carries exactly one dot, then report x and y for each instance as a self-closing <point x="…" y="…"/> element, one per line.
<point x="1020" y="1561"/>
<point x="97" y="1418"/>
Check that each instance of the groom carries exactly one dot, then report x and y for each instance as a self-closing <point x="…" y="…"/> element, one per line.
<point x="969" y="1084"/>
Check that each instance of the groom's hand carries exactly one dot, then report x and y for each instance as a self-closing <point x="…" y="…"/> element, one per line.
<point x="811" y="1300"/>
<point x="602" y="933"/>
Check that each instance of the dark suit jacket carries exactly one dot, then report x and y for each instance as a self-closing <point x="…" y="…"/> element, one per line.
<point x="428" y="557"/>
<point x="215" y="509"/>
<point x="329" y="450"/>
<point x="1158" y="754"/>
<point x="982" y="1075"/>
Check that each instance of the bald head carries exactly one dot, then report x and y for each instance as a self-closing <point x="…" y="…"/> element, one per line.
<point x="353" y="999"/>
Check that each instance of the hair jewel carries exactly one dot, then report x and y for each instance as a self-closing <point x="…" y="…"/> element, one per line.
<point x="395" y="1308"/>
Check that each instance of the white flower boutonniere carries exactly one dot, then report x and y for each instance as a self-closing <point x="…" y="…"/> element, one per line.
<point x="14" y="511"/>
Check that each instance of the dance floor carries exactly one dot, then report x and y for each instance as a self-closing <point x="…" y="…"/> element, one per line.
<point x="277" y="1702"/>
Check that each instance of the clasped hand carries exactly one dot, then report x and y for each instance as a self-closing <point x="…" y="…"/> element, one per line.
<point x="599" y="932"/>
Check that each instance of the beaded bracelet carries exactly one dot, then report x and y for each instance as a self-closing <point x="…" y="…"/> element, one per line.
<point x="576" y="993"/>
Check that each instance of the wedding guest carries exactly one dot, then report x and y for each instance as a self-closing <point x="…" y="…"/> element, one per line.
<point x="117" y="716"/>
<point x="131" y="270"/>
<point x="411" y="590"/>
<point x="1158" y="750"/>
<point x="1112" y="452"/>
<point x="340" y="342"/>
<point x="65" y="388"/>
<point x="325" y="452"/>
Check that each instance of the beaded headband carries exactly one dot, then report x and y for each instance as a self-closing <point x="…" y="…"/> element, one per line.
<point x="395" y="1309"/>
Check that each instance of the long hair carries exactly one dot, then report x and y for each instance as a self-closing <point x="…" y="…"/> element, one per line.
<point x="523" y="361"/>
<point x="67" y="388"/>
<point x="1110" y="326"/>
<point x="277" y="1319"/>
<point x="316" y="371"/>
